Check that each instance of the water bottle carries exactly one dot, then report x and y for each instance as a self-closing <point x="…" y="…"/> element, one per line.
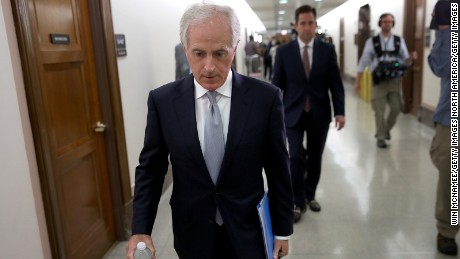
<point x="142" y="252"/>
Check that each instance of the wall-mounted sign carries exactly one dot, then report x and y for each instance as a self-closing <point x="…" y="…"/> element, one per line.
<point x="120" y="45"/>
<point x="60" y="38"/>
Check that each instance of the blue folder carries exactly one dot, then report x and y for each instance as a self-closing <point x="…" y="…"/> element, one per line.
<point x="263" y="209"/>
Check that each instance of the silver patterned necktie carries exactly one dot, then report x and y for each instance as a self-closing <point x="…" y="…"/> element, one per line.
<point x="214" y="144"/>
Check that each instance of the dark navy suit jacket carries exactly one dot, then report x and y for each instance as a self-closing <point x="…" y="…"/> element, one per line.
<point x="256" y="139"/>
<point x="289" y="75"/>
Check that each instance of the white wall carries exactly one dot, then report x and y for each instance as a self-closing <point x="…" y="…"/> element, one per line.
<point x="151" y="30"/>
<point x="22" y="215"/>
<point x="349" y="11"/>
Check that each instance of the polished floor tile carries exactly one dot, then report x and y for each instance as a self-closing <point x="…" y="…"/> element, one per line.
<point x="376" y="203"/>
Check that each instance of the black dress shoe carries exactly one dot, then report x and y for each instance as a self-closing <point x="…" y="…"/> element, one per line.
<point x="447" y="245"/>
<point x="314" y="205"/>
<point x="387" y="136"/>
<point x="381" y="143"/>
<point x="298" y="211"/>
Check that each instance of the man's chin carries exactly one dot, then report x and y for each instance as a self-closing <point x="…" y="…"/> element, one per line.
<point x="211" y="84"/>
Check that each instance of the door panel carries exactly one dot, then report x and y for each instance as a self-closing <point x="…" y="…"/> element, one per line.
<point x="413" y="34"/>
<point x="68" y="94"/>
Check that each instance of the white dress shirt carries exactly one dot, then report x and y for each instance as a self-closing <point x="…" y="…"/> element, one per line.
<point x="202" y="105"/>
<point x="310" y="49"/>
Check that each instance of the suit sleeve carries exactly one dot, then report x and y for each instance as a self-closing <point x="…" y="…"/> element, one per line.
<point x="279" y="75"/>
<point x="336" y="85"/>
<point x="153" y="166"/>
<point x="276" y="165"/>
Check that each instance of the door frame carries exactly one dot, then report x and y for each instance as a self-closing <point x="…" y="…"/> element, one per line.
<point x="342" y="46"/>
<point x="112" y="115"/>
<point x="412" y="94"/>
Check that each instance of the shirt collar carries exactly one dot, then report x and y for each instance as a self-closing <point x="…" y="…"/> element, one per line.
<point x="225" y="89"/>
<point x="302" y="44"/>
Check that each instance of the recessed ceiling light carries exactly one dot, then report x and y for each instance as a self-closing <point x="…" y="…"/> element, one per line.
<point x="282" y="12"/>
<point x="283" y="1"/>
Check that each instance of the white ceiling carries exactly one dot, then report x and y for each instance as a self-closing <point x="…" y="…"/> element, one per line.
<point x="269" y="11"/>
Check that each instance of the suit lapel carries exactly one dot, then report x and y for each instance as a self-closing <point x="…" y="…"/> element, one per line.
<point x="298" y="64"/>
<point x="184" y="105"/>
<point x="316" y="53"/>
<point x="239" y="111"/>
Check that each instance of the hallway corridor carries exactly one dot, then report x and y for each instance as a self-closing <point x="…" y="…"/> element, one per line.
<point x="376" y="203"/>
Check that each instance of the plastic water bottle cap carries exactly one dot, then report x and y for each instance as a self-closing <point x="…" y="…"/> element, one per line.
<point x="141" y="246"/>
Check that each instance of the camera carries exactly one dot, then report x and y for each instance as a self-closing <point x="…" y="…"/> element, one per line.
<point x="387" y="70"/>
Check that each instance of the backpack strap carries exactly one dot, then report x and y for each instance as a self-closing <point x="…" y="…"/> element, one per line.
<point x="378" y="47"/>
<point x="397" y="42"/>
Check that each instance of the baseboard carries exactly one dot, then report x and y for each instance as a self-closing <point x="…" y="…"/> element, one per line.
<point x="425" y="115"/>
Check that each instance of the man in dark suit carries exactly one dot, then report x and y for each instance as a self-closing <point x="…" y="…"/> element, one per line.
<point x="214" y="216"/>
<point x="306" y="70"/>
<point x="182" y="67"/>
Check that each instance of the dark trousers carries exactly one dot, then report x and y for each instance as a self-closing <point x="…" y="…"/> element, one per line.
<point x="268" y="68"/>
<point x="223" y="248"/>
<point x="306" y="164"/>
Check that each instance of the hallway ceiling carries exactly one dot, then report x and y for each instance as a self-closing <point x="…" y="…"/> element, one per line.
<point x="270" y="11"/>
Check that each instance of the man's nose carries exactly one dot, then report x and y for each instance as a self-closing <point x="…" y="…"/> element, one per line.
<point x="209" y="63"/>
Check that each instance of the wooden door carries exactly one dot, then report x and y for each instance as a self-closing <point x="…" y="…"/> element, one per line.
<point x="414" y="21"/>
<point x="67" y="105"/>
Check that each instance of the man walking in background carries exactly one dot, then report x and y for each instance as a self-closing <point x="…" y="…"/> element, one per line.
<point x="385" y="52"/>
<point x="306" y="70"/>
<point x="182" y="67"/>
<point x="251" y="49"/>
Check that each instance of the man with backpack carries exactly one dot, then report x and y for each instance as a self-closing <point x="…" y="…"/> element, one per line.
<point x="387" y="57"/>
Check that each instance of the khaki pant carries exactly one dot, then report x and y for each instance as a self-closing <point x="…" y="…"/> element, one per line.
<point x="441" y="157"/>
<point x="387" y="92"/>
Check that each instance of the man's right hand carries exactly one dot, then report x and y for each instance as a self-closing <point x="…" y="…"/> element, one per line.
<point x="132" y="245"/>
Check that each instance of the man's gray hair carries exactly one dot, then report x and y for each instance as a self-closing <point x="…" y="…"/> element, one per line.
<point x="202" y="12"/>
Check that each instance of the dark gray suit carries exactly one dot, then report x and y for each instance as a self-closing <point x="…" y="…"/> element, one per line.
<point x="182" y="66"/>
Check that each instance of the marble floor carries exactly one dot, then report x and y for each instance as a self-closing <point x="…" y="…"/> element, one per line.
<point x="376" y="203"/>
